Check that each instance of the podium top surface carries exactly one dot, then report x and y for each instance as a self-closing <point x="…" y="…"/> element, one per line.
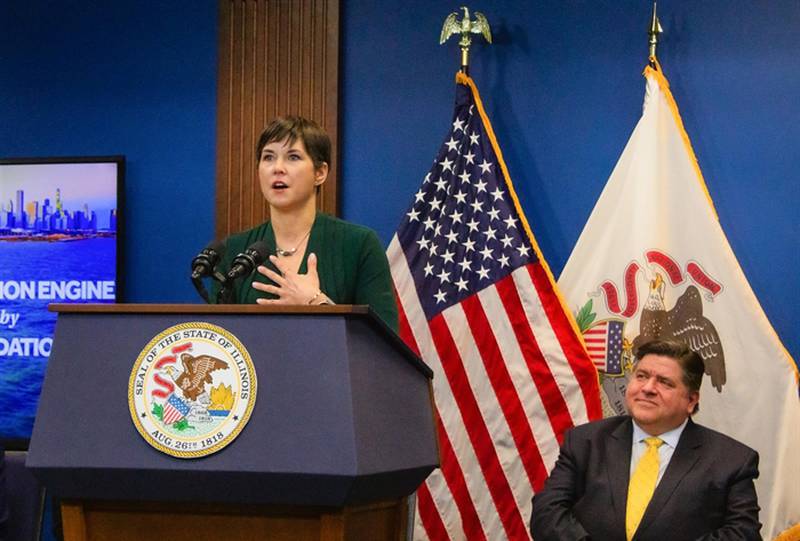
<point x="358" y="310"/>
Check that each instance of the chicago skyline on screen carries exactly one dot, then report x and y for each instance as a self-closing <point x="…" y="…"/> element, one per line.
<point x="44" y="216"/>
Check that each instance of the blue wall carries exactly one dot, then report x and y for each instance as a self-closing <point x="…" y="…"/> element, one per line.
<point x="562" y="85"/>
<point x="133" y="78"/>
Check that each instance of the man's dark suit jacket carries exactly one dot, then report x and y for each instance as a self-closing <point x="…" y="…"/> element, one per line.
<point x="706" y="492"/>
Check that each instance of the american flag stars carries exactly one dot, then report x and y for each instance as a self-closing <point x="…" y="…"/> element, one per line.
<point x="461" y="217"/>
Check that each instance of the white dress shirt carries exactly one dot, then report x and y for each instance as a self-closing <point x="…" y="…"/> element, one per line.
<point x="670" y="440"/>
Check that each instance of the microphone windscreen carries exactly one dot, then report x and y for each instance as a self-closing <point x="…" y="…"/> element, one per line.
<point x="217" y="246"/>
<point x="204" y="263"/>
<point x="260" y="251"/>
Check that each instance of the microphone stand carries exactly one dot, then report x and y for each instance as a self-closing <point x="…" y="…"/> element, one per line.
<point x="225" y="293"/>
<point x="201" y="289"/>
<point x="204" y="265"/>
<point x="242" y="265"/>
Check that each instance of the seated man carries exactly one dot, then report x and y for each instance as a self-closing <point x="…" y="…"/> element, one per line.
<point x="655" y="474"/>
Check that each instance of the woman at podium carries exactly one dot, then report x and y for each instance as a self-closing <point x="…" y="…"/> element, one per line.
<point x="314" y="258"/>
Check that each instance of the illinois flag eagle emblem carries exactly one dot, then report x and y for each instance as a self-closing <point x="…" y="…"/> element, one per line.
<point x="192" y="390"/>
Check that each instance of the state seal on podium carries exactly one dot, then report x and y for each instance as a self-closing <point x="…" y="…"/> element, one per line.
<point x="192" y="390"/>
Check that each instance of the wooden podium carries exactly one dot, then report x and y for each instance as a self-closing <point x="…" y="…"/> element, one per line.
<point x="342" y="430"/>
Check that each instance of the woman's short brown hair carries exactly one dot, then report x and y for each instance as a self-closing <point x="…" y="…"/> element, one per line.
<point x="292" y="128"/>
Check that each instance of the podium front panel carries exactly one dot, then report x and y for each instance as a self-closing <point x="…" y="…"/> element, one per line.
<point x="340" y="414"/>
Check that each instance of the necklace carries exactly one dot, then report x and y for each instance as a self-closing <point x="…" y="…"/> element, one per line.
<point x="287" y="253"/>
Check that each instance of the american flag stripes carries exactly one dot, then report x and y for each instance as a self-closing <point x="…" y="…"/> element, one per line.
<point x="175" y="409"/>
<point x="604" y="344"/>
<point x="479" y="304"/>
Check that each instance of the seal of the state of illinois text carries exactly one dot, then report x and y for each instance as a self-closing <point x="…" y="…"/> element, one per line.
<point x="192" y="390"/>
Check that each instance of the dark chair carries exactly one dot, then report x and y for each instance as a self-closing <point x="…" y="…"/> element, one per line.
<point x="25" y="497"/>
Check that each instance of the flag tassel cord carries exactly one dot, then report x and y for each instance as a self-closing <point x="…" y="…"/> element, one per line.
<point x="658" y="74"/>
<point x="792" y="534"/>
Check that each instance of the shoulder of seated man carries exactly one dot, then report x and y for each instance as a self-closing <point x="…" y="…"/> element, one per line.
<point x="593" y="428"/>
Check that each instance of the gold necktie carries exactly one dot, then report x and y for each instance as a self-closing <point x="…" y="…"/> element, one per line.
<point x="642" y="486"/>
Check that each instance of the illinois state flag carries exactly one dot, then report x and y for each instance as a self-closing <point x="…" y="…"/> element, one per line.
<point x="653" y="258"/>
<point x="479" y="305"/>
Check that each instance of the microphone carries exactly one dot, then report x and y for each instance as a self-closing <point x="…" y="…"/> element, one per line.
<point x="244" y="263"/>
<point x="203" y="264"/>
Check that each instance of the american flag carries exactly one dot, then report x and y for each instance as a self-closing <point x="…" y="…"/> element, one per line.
<point x="604" y="343"/>
<point x="175" y="409"/>
<point x="479" y="304"/>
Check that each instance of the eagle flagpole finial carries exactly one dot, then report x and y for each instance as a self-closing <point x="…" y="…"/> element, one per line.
<point x="465" y="27"/>
<point x="653" y="32"/>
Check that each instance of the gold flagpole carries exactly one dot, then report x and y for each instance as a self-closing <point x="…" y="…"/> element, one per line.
<point x="653" y="32"/>
<point x="465" y="27"/>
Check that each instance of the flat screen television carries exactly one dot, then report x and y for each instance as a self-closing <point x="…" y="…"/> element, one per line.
<point x="60" y="230"/>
